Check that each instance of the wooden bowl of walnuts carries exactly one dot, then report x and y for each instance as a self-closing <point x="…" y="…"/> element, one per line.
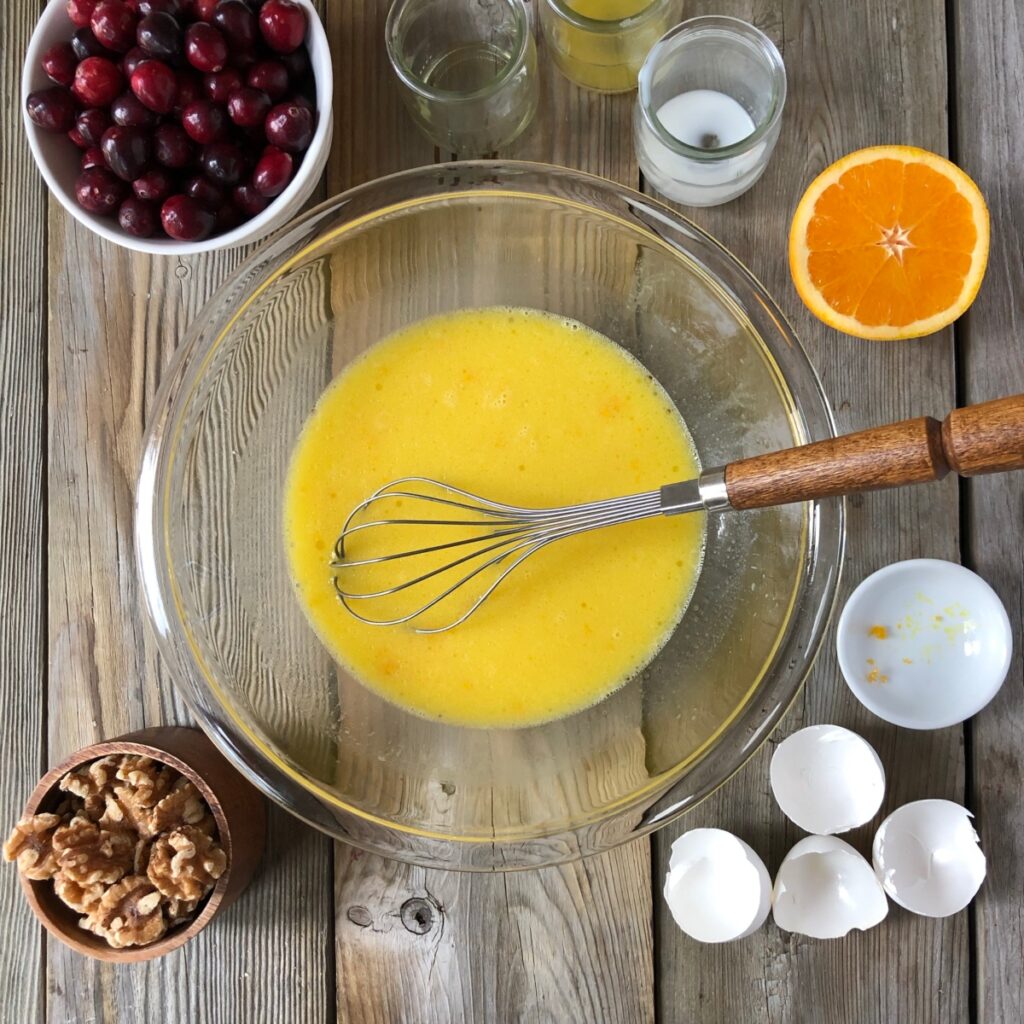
<point x="131" y="846"/>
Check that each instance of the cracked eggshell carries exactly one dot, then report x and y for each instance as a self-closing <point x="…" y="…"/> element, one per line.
<point x="825" y="888"/>
<point x="927" y="857"/>
<point x="717" y="887"/>
<point x="827" y="779"/>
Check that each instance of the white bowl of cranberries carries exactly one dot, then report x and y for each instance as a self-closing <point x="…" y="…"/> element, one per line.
<point x="179" y="126"/>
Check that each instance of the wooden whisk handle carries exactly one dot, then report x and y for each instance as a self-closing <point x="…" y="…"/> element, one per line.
<point x="986" y="438"/>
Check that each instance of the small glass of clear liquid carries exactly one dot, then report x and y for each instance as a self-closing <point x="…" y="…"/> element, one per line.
<point x="468" y="70"/>
<point x="709" y="109"/>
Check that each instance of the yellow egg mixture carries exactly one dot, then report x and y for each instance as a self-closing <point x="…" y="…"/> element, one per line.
<point x="528" y="409"/>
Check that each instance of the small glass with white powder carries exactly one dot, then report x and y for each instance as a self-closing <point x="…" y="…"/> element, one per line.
<point x="708" y="110"/>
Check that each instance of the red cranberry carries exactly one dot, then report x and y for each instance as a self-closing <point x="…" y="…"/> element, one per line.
<point x="98" y="191"/>
<point x="126" y="150"/>
<point x="222" y="162"/>
<point x="249" y="201"/>
<point x="237" y="23"/>
<point x="148" y="7"/>
<point x="80" y="11"/>
<point x="92" y="123"/>
<point x="204" y="121"/>
<point x="248" y="107"/>
<point x="154" y="185"/>
<point x="156" y="85"/>
<point x="272" y="173"/>
<point x="97" y="81"/>
<point x="205" y="47"/>
<point x="59" y="63"/>
<point x="76" y="137"/>
<point x="132" y="59"/>
<point x="296" y="63"/>
<point x="172" y="146"/>
<point x="113" y="24"/>
<point x="138" y="217"/>
<point x="85" y="44"/>
<point x="190" y="89"/>
<point x="129" y="110"/>
<point x="270" y="76"/>
<point x="159" y="35"/>
<point x="219" y="85"/>
<point x="290" y="126"/>
<point x="202" y="10"/>
<point x="283" y="25"/>
<point x="185" y="219"/>
<point x="52" y="109"/>
<point x="203" y="191"/>
<point x="93" y="157"/>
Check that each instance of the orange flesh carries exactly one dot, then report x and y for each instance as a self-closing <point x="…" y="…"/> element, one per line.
<point x="891" y="243"/>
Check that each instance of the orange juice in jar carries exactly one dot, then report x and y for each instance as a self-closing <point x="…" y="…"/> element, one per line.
<point x="601" y="44"/>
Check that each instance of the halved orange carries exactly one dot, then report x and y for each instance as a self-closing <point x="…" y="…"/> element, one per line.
<point x="889" y="242"/>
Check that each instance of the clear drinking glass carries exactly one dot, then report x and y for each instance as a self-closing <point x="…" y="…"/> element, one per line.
<point x="469" y="70"/>
<point x="708" y="110"/>
<point x="600" y="44"/>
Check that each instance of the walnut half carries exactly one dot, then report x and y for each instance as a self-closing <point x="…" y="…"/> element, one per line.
<point x="185" y="864"/>
<point x="88" y="854"/>
<point x="129" y="914"/>
<point x="31" y="845"/>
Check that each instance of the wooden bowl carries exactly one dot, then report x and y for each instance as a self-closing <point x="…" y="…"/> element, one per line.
<point x="237" y="807"/>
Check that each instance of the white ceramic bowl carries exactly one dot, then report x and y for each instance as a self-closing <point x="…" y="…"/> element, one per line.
<point x="924" y="643"/>
<point x="58" y="158"/>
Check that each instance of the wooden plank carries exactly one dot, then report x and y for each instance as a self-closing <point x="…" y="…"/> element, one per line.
<point x="22" y="499"/>
<point x="567" y="943"/>
<point x="908" y="969"/>
<point x="117" y="318"/>
<point x="989" y="49"/>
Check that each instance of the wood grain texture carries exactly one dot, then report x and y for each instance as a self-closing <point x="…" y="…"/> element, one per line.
<point x="22" y="500"/>
<point x="81" y="354"/>
<point x="116" y="319"/>
<point x="909" y="452"/>
<point x="846" y="63"/>
<point x="987" y="437"/>
<point x="983" y="438"/>
<point x="989" y="49"/>
<point x="563" y="944"/>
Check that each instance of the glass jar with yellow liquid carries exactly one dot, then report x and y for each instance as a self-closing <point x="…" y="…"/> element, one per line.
<point x="601" y="44"/>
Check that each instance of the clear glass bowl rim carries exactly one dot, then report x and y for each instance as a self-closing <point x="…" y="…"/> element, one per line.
<point x="665" y="798"/>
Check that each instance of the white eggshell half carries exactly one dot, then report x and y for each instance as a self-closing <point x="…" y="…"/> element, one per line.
<point x="827" y="779"/>
<point x="825" y="888"/>
<point x="717" y="887"/>
<point x="926" y="855"/>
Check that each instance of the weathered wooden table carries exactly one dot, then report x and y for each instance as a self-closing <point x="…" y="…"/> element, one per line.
<point x="87" y="329"/>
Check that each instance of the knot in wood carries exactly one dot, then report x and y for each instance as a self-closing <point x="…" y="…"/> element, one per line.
<point x="418" y="915"/>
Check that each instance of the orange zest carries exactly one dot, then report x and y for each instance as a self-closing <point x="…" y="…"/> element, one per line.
<point x="889" y="242"/>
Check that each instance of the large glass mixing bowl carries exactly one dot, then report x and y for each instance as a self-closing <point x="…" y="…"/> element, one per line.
<point x="209" y="516"/>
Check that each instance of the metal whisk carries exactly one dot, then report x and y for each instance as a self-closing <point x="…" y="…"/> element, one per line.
<point x="501" y="537"/>
<point x="494" y="536"/>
